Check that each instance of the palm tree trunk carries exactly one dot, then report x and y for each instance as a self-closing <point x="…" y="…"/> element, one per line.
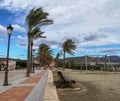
<point x="28" y="58"/>
<point x="44" y="61"/>
<point x="31" y="56"/>
<point x="56" y="63"/>
<point x="64" y="61"/>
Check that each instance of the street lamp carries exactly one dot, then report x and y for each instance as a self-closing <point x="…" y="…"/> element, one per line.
<point x="9" y="31"/>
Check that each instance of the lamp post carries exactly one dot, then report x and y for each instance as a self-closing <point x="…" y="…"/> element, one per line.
<point x="9" y="31"/>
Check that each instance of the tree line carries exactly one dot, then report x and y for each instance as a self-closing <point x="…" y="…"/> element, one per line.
<point x="34" y="20"/>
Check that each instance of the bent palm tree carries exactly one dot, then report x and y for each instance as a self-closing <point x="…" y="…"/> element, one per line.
<point x="68" y="47"/>
<point x="36" y="33"/>
<point x="35" y="18"/>
<point x="56" y="59"/>
<point x="45" y="54"/>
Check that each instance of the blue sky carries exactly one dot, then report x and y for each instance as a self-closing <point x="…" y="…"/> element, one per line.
<point x="94" y="26"/>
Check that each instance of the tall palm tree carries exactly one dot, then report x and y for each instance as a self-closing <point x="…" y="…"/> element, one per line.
<point x="35" y="18"/>
<point x="68" y="47"/>
<point x="45" y="54"/>
<point x="56" y="59"/>
<point x="36" y="33"/>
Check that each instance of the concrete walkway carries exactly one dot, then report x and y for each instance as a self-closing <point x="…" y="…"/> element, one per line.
<point x="38" y="92"/>
<point x="21" y="89"/>
<point x="12" y="75"/>
<point x="50" y="90"/>
<point x="37" y="87"/>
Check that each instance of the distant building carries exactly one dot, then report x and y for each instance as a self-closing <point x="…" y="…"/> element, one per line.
<point x="11" y="63"/>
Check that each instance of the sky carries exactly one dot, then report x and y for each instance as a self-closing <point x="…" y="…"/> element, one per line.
<point x="94" y="26"/>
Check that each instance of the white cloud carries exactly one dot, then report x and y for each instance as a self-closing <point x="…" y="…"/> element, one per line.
<point x="3" y="30"/>
<point x="18" y="28"/>
<point x="1" y="40"/>
<point x="22" y="41"/>
<point x="88" y="23"/>
<point x="110" y="50"/>
<point x="20" y="38"/>
<point x="19" y="5"/>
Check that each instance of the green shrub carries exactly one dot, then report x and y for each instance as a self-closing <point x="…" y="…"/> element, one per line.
<point x="20" y="64"/>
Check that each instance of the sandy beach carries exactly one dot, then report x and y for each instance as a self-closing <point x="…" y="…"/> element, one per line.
<point x="94" y="86"/>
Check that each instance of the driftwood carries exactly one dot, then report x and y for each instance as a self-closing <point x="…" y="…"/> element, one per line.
<point x="63" y="79"/>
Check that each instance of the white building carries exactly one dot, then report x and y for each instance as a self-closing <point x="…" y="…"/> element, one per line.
<point x="11" y="63"/>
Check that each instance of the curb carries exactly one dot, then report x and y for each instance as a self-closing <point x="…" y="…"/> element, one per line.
<point x="50" y="91"/>
<point x="38" y="91"/>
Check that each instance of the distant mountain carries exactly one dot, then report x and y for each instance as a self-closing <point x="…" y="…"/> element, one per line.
<point x="115" y="58"/>
<point x="81" y="59"/>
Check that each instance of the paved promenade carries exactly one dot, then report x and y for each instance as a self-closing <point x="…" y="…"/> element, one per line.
<point x="38" y="87"/>
<point x="12" y="75"/>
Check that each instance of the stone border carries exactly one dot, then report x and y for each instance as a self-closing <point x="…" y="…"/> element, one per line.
<point x="50" y="91"/>
<point x="38" y="91"/>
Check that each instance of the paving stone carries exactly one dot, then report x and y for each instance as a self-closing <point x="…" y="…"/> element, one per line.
<point x="20" y="91"/>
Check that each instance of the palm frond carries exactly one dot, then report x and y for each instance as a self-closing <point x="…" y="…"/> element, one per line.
<point x="45" y="53"/>
<point x="69" y="46"/>
<point x="36" y="18"/>
<point x="36" y="33"/>
<point x="45" y="22"/>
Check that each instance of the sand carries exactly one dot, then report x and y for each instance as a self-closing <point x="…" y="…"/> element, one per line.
<point x="94" y="86"/>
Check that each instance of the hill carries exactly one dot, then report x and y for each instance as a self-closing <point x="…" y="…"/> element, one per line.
<point x="81" y="59"/>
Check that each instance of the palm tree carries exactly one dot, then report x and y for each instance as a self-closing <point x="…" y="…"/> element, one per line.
<point x="36" y="33"/>
<point x="45" y="54"/>
<point x="68" y="47"/>
<point x="56" y="59"/>
<point x="35" y="18"/>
